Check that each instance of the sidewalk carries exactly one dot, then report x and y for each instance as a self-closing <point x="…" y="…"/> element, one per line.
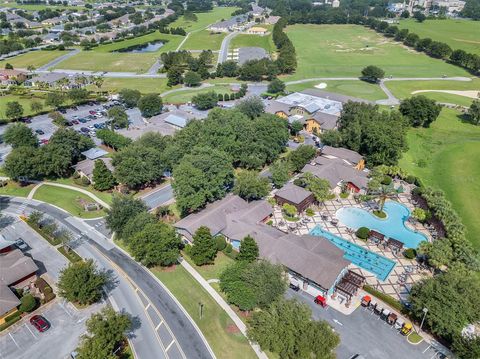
<point x="222" y="303"/>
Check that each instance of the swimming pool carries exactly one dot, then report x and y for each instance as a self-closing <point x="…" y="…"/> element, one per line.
<point x="393" y="226"/>
<point x="368" y="260"/>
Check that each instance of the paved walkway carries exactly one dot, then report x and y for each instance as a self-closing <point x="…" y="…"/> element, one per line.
<point x="222" y="303"/>
<point x="73" y="188"/>
<point x="56" y="61"/>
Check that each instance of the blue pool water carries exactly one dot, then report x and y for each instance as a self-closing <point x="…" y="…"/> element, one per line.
<point x="368" y="260"/>
<point x="393" y="226"/>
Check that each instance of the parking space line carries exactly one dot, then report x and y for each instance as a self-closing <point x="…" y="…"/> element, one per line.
<point x="159" y="325"/>
<point x="148" y="306"/>
<point x="169" y="345"/>
<point x="14" y="341"/>
<point x="26" y="326"/>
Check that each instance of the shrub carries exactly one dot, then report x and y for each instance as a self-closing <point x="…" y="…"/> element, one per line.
<point x="289" y="210"/>
<point x="410" y="179"/>
<point x="310" y="212"/>
<point x="419" y="214"/>
<point x="13" y="316"/>
<point x="386" y="180"/>
<point x="220" y="242"/>
<point x="410" y="253"/>
<point x="28" y="303"/>
<point x="362" y="233"/>
<point x="228" y="248"/>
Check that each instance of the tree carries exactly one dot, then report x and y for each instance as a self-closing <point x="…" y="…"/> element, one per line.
<point x="156" y="244"/>
<point x="205" y="101"/>
<point x="22" y="162"/>
<point x="150" y="105"/>
<point x="36" y="106"/>
<point x="78" y="94"/>
<point x="265" y="282"/>
<point x="250" y="186"/>
<point x="19" y="135"/>
<point x="8" y="66"/>
<point x="74" y="142"/>
<point x="251" y="106"/>
<point x="112" y="139"/>
<point x="106" y="330"/>
<point x="137" y="165"/>
<point x="58" y="119"/>
<point x="286" y="329"/>
<point x="174" y="76"/>
<point x="419" y="16"/>
<point x="27" y="303"/>
<point x="129" y="97"/>
<point x="437" y="294"/>
<point x="280" y="173"/>
<point x="204" y="249"/>
<point x="248" y="250"/>
<point x="331" y="138"/>
<point x="276" y="86"/>
<point x="295" y="127"/>
<point x="122" y="209"/>
<point x="13" y="110"/>
<point x="466" y="347"/>
<point x="201" y="177"/>
<point x="318" y="186"/>
<point x="55" y="99"/>
<point x="136" y="224"/>
<point x="301" y="156"/>
<point x="420" y="110"/>
<point x="103" y="179"/>
<point x="372" y="74"/>
<point x="118" y="117"/>
<point x="474" y="112"/>
<point x="192" y="79"/>
<point x="81" y="282"/>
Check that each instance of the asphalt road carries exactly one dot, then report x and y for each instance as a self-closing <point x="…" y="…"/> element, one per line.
<point x="364" y="333"/>
<point x="163" y="327"/>
<point x="222" y="56"/>
<point x="56" y="61"/>
<point x="158" y="197"/>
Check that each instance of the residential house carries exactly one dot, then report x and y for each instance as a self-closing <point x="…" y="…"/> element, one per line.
<point x="12" y="77"/>
<point x="350" y="157"/>
<point x="58" y="79"/>
<point x="339" y="172"/>
<point x="14" y="19"/>
<point x="94" y="153"/>
<point x="16" y="271"/>
<point x="316" y="110"/>
<point x="313" y="263"/>
<point x="257" y="11"/>
<point x="295" y="196"/>
<point x="85" y="168"/>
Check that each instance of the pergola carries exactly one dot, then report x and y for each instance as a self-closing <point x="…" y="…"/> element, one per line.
<point x="375" y="236"/>
<point x="395" y="245"/>
<point x="350" y="284"/>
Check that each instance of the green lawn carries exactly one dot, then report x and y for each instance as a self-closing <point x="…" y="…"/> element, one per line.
<point x="445" y="156"/>
<point x="14" y="189"/>
<point x="34" y="58"/>
<point x="216" y="325"/>
<point x="38" y="7"/>
<point x="186" y="96"/>
<point x="360" y="89"/>
<point x="212" y="271"/>
<point x="25" y="101"/>
<point x="344" y="50"/>
<point x="245" y="40"/>
<point x="204" y="40"/>
<point x="66" y="199"/>
<point x="104" y="196"/>
<point x="459" y="34"/>
<point x="144" y="85"/>
<point x="204" y="18"/>
<point x="102" y="59"/>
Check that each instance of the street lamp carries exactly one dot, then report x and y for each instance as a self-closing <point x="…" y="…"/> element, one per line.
<point x="200" y="309"/>
<point x="425" y="311"/>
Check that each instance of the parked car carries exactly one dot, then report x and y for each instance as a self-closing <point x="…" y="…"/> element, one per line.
<point x="75" y="122"/>
<point x="39" y="132"/>
<point x="40" y="323"/>
<point x="82" y="120"/>
<point x="85" y="130"/>
<point x="43" y="141"/>
<point x="20" y="244"/>
<point x="91" y="127"/>
<point x="295" y="287"/>
<point x="26" y="120"/>
<point x="92" y="112"/>
<point x="75" y="117"/>
<point x="62" y="110"/>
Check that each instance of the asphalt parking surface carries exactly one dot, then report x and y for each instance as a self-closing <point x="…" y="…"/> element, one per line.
<point x="67" y="325"/>
<point x="365" y="333"/>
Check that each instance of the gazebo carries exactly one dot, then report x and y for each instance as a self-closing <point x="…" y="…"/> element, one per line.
<point x="395" y="245"/>
<point x="375" y="236"/>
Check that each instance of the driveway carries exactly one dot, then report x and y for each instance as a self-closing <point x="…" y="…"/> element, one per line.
<point x="22" y="340"/>
<point x="157" y="197"/>
<point x="364" y="333"/>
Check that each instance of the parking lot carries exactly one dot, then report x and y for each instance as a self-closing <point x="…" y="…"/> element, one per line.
<point x="365" y="333"/>
<point x="22" y="340"/>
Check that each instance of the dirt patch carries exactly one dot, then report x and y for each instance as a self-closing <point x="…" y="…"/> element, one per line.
<point x="232" y="329"/>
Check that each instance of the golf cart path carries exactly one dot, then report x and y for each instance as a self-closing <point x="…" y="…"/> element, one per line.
<point x="470" y="93"/>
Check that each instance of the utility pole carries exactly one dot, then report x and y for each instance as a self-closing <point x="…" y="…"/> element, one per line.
<point x="425" y="311"/>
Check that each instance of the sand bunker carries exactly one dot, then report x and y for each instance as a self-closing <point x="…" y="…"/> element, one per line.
<point x="470" y="94"/>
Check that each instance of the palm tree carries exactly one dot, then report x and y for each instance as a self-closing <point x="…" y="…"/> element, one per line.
<point x="383" y="193"/>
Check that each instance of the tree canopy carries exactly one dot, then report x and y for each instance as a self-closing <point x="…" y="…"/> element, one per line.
<point x="81" y="282"/>
<point x="251" y="106"/>
<point x="150" y="105"/>
<point x="204" y="249"/>
<point x="129" y="97"/>
<point x="286" y="328"/>
<point x="103" y="179"/>
<point x="18" y="134"/>
<point x="299" y="157"/>
<point x="205" y="101"/>
<point x="372" y="74"/>
<point x="248" y="250"/>
<point x="123" y="208"/>
<point x="420" y="110"/>
<point x="13" y="110"/>
<point x="250" y="186"/>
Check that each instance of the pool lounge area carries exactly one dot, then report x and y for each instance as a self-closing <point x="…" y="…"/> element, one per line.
<point x="393" y="226"/>
<point x="364" y="258"/>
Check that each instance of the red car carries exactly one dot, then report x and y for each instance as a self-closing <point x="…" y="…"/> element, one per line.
<point x="40" y="323"/>
<point x="92" y="112"/>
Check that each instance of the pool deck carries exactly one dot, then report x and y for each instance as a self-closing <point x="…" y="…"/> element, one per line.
<point x="392" y="285"/>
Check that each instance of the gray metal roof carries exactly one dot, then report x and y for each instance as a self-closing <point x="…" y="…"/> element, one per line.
<point x="94" y="153"/>
<point x="176" y="120"/>
<point x="335" y="172"/>
<point x="343" y="153"/>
